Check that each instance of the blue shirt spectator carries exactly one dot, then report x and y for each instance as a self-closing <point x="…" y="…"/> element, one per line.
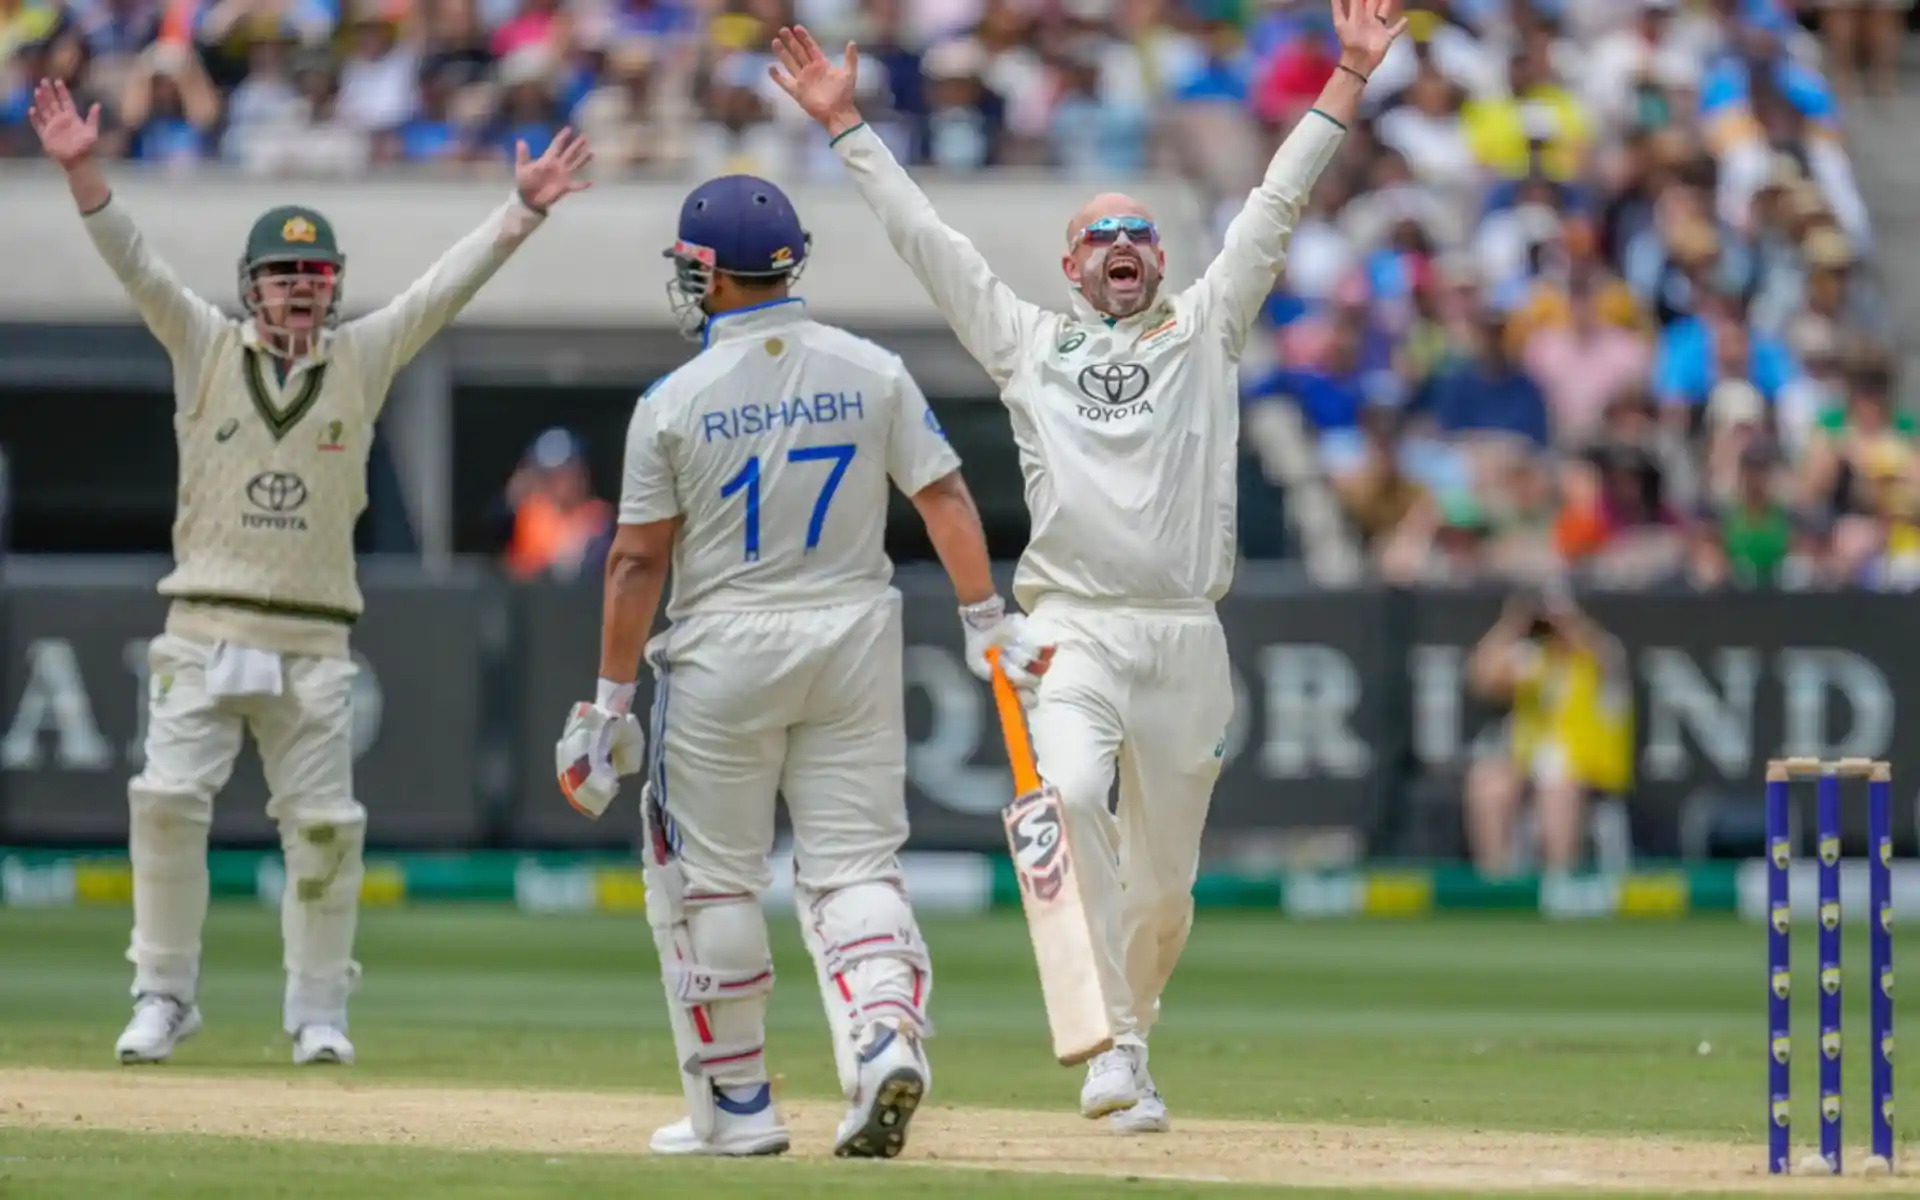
<point x="1692" y="354"/>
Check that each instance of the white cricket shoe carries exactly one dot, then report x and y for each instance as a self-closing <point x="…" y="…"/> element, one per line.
<point x="740" y="1130"/>
<point x="1116" y="1079"/>
<point x="159" y="1024"/>
<point x="1149" y="1115"/>
<point x="321" y="1045"/>
<point x="894" y="1077"/>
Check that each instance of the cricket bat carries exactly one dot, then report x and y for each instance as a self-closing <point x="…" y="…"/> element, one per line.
<point x="1044" y="863"/>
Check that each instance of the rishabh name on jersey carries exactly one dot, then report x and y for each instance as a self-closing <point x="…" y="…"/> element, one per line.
<point x="776" y="445"/>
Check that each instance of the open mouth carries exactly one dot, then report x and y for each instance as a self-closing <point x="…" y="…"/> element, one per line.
<point x="302" y="312"/>
<point x="1123" y="271"/>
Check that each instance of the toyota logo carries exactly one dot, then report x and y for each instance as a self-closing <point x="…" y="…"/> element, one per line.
<point x="1114" y="383"/>
<point x="277" y="491"/>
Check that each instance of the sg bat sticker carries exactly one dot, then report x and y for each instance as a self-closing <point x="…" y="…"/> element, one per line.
<point x="1039" y="845"/>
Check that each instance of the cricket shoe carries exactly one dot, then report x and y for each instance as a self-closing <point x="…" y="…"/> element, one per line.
<point x="1116" y="1079"/>
<point x="742" y="1128"/>
<point x="159" y="1024"/>
<point x="894" y="1076"/>
<point x="1149" y="1115"/>
<point x="321" y="1045"/>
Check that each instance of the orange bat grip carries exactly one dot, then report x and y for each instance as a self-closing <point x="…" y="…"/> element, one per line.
<point x="1013" y="727"/>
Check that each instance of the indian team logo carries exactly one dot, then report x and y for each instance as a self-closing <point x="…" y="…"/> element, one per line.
<point x="299" y="229"/>
<point x="783" y="257"/>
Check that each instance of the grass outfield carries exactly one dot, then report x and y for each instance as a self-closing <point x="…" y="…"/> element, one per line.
<point x="1477" y="1053"/>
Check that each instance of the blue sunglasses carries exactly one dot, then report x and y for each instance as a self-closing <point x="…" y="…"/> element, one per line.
<point x="1107" y="230"/>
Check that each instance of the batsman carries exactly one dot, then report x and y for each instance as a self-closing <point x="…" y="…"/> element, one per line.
<point x="1125" y="410"/>
<point x="274" y="416"/>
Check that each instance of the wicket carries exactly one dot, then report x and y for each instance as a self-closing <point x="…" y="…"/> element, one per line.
<point x="1828" y="773"/>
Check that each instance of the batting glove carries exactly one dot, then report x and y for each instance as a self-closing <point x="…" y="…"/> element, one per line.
<point x="601" y="743"/>
<point x="988" y="625"/>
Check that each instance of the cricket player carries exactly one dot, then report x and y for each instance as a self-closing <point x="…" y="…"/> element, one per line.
<point x="758" y="472"/>
<point x="1126" y="414"/>
<point x="274" y="416"/>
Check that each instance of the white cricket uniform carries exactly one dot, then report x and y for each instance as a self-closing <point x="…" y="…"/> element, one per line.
<point x="780" y="670"/>
<point x="264" y="592"/>
<point x="1128" y="437"/>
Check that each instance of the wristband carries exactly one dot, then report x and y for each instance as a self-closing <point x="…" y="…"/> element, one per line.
<point x="1349" y="70"/>
<point x="984" y="615"/>
<point x="614" y="697"/>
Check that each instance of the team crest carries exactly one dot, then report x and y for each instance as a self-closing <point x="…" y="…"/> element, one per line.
<point x="330" y="440"/>
<point x="783" y="257"/>
<point x="775" y="346"/>
<point x="299" y="229"/>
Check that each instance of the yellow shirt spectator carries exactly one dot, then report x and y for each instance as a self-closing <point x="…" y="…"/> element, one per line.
<point x="1498" y="131"/>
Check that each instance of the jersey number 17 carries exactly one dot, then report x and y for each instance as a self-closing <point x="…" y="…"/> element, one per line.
<point x="748" y="481"/>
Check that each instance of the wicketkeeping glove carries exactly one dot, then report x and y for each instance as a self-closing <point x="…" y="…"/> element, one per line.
<point x="601" y="743"/>
<point x="988" y="624"/>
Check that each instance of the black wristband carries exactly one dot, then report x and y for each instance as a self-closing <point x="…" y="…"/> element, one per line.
<point x="1349" y="70"/>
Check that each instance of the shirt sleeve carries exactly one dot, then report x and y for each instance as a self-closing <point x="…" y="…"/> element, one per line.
<point x="917" y="450"/>
<point x="183" y="323"/>
<point x="389" y="337"/>
<point x="647" y="486"/>
<point x="990" y="321"/>
<point x="1254" y="251"/>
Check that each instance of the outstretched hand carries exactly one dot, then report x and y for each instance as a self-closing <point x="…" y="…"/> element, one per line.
<point x="824" y="91"/>
<point x="66" y="136"/>
<point x="1366" y="29"/>
<point x="546" y="180"/>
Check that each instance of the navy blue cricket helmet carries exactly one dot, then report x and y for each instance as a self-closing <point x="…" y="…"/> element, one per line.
<point x="737" y="224"/>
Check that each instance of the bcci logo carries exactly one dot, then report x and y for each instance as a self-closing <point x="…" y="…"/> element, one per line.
<point x="1039" y="845"/>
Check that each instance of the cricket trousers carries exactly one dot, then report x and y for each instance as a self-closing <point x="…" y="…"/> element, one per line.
<point x="305" y="739"/>
<point x="1144" y="694"/>
<point x="805" y="704"/>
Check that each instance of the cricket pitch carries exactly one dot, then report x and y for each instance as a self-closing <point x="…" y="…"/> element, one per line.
<point x="335" y="1108"/>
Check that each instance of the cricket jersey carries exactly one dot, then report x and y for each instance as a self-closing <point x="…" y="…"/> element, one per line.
<point x="776" y="444"/>
<point x="1127" y="429"/>
<point x="273" y="470"/>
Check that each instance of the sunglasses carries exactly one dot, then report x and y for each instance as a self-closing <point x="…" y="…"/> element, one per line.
<point x="1107" y="230"/>
<point x="314" y="270"/>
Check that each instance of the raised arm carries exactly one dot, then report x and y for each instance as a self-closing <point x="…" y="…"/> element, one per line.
<point x="1239" y="280"/>
<point x="182" y="322"/>
<point x="389" y="337"/>
<point x="990" y="321"/>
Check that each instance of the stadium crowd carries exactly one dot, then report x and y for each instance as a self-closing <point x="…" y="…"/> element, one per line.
<point x="1588" y="288"/>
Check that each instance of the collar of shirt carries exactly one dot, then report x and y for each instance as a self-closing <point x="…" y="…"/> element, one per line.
<point x="1152" y="314"/>
<point x="753" y="320"/>
<point x="322" y="345"/>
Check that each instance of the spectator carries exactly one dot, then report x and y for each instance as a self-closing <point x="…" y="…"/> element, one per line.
<point x="1427" y="131"/>
<point x="169" y="107"/>
<point x="1490" y="396"/>
<point x="1538" y="126"/>
<point x="378" y="82"/>
<point x="964" y="127"/>
<point x="1585" y="364"/>
<point x="550" y="522"/>
<point x="1566" y="683"/>
<point x="1863" y="38"/>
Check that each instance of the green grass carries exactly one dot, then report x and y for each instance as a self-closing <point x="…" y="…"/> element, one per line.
<point x="1506" y="1024"/>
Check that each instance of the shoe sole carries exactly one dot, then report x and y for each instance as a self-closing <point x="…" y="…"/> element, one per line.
<point x="764" y="1150"/>
<point x="1109" y="1107"/>
<point x="1158" y="1125"/>
<point x="885" y="1133"/>
<point x="134" y="1058"/>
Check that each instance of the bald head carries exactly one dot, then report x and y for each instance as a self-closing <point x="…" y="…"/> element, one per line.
<point x="1106" y="204"/>
<point x="1118" y="277"/>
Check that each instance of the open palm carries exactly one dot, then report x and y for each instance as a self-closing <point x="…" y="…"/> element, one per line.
<point x="1367" y="28"/>
<point x="823" y="90"/>
<point x="65" y="135"/>
<point x="550" y="178"/>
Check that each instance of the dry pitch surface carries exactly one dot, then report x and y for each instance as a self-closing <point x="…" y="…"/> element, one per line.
<point x="336" y="1109"/>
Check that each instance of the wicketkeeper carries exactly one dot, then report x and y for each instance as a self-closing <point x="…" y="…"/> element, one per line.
<point x="274" y="414"/>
